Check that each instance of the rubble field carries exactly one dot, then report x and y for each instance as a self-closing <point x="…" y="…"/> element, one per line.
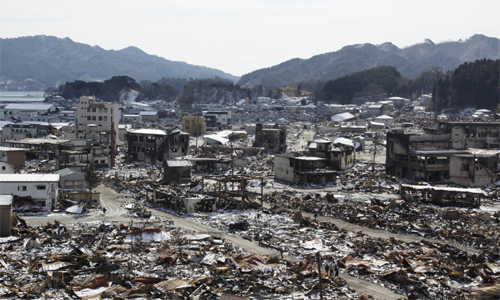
<point x="149" y="261"/>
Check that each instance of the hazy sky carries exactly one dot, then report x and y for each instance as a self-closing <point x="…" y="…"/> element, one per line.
<point x="241" y="36"/>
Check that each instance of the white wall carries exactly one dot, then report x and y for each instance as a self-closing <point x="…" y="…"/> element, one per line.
<point x="48" y="195"/>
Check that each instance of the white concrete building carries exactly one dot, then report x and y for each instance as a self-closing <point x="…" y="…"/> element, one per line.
<point x="387" y="120"/>
<point x="97" y="121"/>
<point x="27" y="111"/>
<point x="39" y="189"/>
<point x="103" y="114"/>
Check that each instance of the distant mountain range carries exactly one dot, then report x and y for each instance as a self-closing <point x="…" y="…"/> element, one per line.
<point x="43" y="61"/>
<point x="410" y="61"/>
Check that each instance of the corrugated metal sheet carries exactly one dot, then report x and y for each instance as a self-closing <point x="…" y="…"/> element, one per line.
<point x="171" y="284"/>
<point x="54" y="266"/>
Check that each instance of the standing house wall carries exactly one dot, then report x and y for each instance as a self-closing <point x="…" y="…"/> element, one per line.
<point x="5" y="215"/>
<point x="471" y="171"/>
<point x="283" y="168"/>
<point x="175" y="145"/>
<point x="48" y="196"/>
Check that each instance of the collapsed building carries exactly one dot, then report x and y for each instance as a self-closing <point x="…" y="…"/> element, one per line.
<point x="271" y="138"/>
<point x="442" y="196"/>
<point x="303" y="169"/>
<point x="176" y="170"/>
<point x="321" y="164"/>
<point x="156" y="145"/>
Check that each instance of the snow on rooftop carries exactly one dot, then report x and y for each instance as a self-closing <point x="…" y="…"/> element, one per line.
<point x="28" y="106"/>
<point x="6" y="199"/>
<point x="29" y="177"/>
<point x="148" y="131"/>
<point x="342" y="117"/>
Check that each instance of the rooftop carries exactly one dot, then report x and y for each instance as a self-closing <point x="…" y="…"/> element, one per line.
<point x="172" y="163"/>
<point x="29" y="177"/>
<point x="10" y="149"/>
<point x="6" y="199"/>
<point x="28" y="106"/>
<point x="68" y="171"/>
<point x="148" y="131"/>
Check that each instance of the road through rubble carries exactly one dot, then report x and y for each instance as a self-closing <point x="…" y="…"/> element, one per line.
<point x="361" y="286"/>
<point x="112" y="201"/>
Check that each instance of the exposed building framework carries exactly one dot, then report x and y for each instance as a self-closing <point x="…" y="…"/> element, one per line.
<point x="442" y="196"/>
<point x="240" y="196"/>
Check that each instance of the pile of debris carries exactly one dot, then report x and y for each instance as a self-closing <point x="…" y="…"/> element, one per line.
<point x="117" y="261"/>
<point x="418" y="269"/>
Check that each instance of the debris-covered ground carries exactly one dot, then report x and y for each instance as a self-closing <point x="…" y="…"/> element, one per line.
<point x="116" y="261"/>
<point x="417" y="269"/>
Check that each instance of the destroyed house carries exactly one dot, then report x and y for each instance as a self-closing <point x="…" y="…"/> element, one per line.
<point x="39" y="190"/>
<point x="419" y="157"/>
<point x="474" y="170"/>
<point x="442" y="196"/>
<point x="273" y="139"/>
<point x="177" y="171"/>
<point x="339" y="156"/>
<point x="483" y="135"/>
<point x="155" y="145"/>
<point x="303" y="169"/>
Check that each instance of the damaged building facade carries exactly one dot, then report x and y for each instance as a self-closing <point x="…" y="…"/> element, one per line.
<point x="303" y="169"/>
<point x="272" y="138"/>
<point x="98" y="122"/>
<point x="31" y="189"/>
<point x="155" y="145"/>
<point x="474" y="170"/>
<point x="464" y="135"/>
<point x="419" y="157"/>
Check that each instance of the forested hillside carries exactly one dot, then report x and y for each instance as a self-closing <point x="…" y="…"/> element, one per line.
<point x="473" y="84"/>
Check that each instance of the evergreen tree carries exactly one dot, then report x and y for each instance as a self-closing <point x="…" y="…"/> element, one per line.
<point x="92" y="177"/>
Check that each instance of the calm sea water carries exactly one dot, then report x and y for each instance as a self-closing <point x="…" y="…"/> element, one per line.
<point x="24" y="96"/>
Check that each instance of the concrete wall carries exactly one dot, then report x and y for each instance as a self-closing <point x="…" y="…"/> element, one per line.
<point x="5" y="215"/>
<point x="6" y="168"/>
<point x="92" y="199"/>
<point x="77" y="181"/>
<point x="468" y="172"/>
<point x="282" y="169"/>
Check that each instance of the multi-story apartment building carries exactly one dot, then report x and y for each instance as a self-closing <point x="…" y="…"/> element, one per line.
<point x="194" y="125"/>
<point x="464" y="135"/>
<point x="156" y="145"/>
<point x="103" y="114"/>
<point x="96" y="121"/>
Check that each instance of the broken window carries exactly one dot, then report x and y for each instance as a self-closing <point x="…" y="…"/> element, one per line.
<point x="40" y="187"/>
<point x="21" y="188"/>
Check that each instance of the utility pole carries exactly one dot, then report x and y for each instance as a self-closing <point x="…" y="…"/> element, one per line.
<point x="319" y="273"/>
<point x="436" y="98"/>
<point x="374" y="150"/>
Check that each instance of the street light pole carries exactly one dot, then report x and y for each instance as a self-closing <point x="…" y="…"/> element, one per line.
<point x="319" y="273"/>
